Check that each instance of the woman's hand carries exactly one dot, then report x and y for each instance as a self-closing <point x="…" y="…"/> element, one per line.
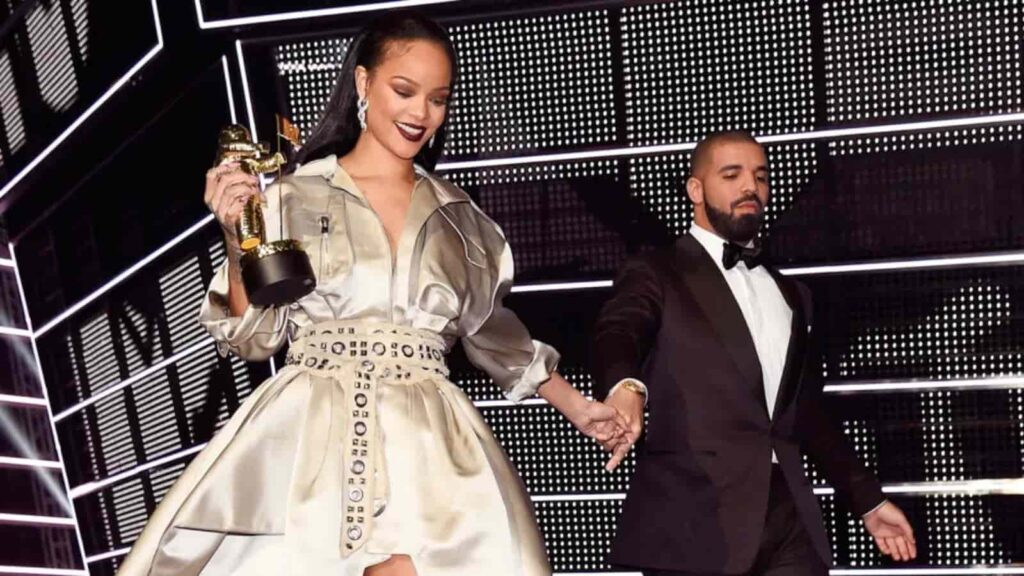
<point x="598" y="421"/>
<point x="228" y="188"/>
<point x="608" y="427"/>
<point x="594" y="419"/>
<point x="630" y="405"/>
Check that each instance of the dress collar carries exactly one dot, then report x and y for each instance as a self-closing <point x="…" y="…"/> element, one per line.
<point x="329" y="169"/>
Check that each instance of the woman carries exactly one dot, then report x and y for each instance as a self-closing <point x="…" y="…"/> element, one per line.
<point x="360" y="456"/>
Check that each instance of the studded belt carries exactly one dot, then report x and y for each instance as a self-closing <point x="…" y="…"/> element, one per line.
<point x="357" y="357"/>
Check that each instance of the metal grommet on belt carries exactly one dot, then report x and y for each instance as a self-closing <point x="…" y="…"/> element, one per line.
<point x="361" y="360"/>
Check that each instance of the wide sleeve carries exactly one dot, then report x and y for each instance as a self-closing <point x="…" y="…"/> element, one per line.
<point x="255" y="335"/>
<point x="261" y="331"/>
<point x="501" y="345"/>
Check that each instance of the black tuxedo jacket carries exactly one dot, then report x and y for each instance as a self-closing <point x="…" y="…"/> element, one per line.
<point x="698" y="499"/>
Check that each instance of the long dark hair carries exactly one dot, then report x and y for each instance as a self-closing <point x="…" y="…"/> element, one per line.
<point x="338" y="129"/>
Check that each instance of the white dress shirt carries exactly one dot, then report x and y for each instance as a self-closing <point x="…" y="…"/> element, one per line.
<point x="768" y="316"/>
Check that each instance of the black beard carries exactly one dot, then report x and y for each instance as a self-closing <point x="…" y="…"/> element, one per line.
<point x="735" y="229"/>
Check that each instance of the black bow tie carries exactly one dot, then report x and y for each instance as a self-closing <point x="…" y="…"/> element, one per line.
<point x="733" y="253"/>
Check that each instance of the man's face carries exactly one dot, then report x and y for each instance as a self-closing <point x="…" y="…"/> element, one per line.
<point x="735" y="189"/>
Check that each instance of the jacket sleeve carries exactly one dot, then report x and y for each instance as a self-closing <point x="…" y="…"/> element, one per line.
<point x="824" y="441"/>
<point x="626" y="327"/>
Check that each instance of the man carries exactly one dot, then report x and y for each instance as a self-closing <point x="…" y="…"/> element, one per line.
<point x="723" y="347"/>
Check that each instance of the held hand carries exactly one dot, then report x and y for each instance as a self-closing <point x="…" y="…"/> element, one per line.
<point x="602" y="423"/>
<point x="228" y="188"/>
<point x="594" y="419"/>
<point x="892" y="532"/>
<point x="630" y="406"/>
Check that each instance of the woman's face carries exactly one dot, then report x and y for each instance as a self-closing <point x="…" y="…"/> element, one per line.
<point x="407" y="94"/>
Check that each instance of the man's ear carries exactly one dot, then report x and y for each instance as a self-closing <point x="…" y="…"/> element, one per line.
<point x="695" y="190"/>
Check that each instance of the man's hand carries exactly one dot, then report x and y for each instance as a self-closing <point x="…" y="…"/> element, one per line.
<point x="596" y="420"/>
<point x="605" y="425"/>
<point x="892" y="532"/>
<point x="630" y="405"/>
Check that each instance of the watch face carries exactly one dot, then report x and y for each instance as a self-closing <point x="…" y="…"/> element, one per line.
<point x="634" y="386"/>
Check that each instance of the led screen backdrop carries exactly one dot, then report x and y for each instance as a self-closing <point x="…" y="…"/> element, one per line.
<point x="59" y="58"/>
<point x="894" y="145"/>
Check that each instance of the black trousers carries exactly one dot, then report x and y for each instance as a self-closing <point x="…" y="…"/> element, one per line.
<point x="786" y="549"/>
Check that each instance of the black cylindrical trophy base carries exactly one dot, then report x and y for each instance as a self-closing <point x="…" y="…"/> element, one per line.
<point x="277" y="273"/>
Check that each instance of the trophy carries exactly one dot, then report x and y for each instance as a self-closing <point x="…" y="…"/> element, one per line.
<point x="274" y="273"/>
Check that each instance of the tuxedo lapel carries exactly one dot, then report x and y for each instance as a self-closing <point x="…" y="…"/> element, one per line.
<point x="705" y="282"/>
<point x="797" y="341"/>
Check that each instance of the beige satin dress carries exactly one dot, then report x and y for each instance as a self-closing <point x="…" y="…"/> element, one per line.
<point x="360" y="447"/>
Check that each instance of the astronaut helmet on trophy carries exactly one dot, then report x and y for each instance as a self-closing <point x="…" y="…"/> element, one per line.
<point x="277" y="272"/>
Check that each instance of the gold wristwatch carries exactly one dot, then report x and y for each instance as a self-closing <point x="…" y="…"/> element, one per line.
<point x="634" y="386"/>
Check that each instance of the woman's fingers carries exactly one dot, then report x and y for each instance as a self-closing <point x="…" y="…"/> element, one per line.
<point x="225" y="184"/>
<point x="234" y="211"/>
<point x="607" y="431"/>
<point x="213" y="176"/>
<point x="230" y="202"/>
<point x="621" y="420"/>
<point x="229" y="181"/>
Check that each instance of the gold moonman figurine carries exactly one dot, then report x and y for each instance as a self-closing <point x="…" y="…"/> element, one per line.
<point x="274" y="273"/>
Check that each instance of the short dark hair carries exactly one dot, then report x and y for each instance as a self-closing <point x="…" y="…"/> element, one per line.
<point x="702" y="153"/>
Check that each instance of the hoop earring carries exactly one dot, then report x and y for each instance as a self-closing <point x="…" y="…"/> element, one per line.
<point x="361" y="108"/>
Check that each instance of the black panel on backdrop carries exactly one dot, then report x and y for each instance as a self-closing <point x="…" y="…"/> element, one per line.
<point x="147" y="193"/>
<point x="56" y="59"/>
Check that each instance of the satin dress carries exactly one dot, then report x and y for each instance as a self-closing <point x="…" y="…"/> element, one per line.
<point x="286" y="487"/>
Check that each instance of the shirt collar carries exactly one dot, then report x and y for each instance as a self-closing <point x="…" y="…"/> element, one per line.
<point x="713" y="244"/>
